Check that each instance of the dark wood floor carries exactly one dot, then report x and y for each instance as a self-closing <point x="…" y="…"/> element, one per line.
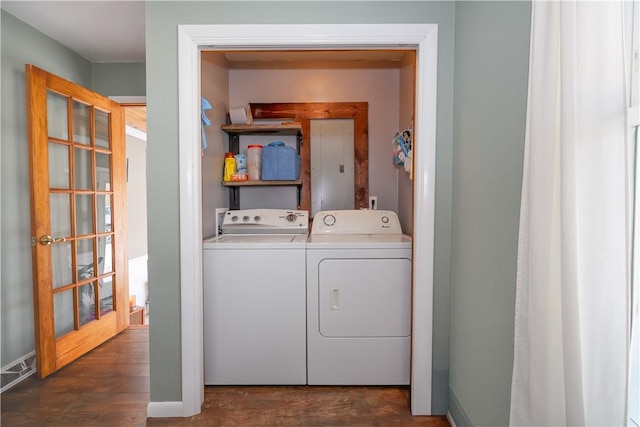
<point x="109" y="387"/>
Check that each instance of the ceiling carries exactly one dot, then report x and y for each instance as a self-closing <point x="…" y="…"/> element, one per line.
<point x="113" y="31"/>
<point x="99" y="31"/>
<point x="136" y="117"/>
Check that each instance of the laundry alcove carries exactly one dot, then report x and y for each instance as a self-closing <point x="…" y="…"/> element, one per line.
<point x="192" y="39"/>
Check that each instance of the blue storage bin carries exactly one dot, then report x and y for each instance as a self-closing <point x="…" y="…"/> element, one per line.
<point x="280" y="163"/>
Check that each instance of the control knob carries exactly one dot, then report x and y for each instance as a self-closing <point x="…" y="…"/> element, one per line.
<point x="291" y="217"/>
<point x="329" y="220"/>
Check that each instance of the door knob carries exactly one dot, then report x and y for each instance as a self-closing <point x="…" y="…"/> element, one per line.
<point x="47" y="240"/>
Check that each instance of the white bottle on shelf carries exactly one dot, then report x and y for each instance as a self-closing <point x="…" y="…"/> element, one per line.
<point x="254" y="161"/>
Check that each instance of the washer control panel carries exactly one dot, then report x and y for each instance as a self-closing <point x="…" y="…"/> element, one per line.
<point x="265" y="221"/>
<point x="356" y="222"/>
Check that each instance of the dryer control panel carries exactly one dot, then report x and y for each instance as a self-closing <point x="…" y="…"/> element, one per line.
<point x="356" y="222"/>
<point x="266" y="221"/>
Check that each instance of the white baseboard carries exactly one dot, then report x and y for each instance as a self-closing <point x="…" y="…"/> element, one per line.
<point x="450" y="419"/>
<point x="18" y="370"/>
<point x="165" y="409"/>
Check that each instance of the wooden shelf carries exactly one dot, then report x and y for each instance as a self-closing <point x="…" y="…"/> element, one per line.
<point x="136" y="316"/>
<point x="236" y="131"/>
<point x="278" y="183"/>
<point x="293" y="128"/>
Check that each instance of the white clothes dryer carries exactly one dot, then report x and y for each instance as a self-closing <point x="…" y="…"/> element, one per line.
<point x="254" y="299"/>
<point x="358" y="299"/>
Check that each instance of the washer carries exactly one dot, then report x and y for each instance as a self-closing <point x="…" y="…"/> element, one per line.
<point x="254" y="298"/>
<point x="358" y="299"/>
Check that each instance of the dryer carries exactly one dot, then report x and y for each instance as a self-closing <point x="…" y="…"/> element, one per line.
<point x="358" y="299"/>
<point x="254" y="299"/>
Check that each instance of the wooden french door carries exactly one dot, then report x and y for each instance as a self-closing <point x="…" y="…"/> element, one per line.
<point x="78" y="218"/>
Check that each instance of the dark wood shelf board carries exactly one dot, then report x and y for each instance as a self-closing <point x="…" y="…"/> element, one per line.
<point x="283" y="129"/>
<point x="261" y="183"/>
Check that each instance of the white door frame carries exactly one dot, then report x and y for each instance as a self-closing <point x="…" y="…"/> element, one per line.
<point x="192" y="39"/>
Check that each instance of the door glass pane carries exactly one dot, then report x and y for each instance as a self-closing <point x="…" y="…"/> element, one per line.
<point x="104" y="255"/>
<point x="85" y="259"/>
<point x="86" y="303"/>
<point x="63" y="312"/>
<point x="102" y="128"/>
<point x="106" y="295"/>
<point x="103" y="171"/>
<point x="60" y="211"/>
<point x="57" y="117"/>
<point x="104" y="213"/>
<point x="82" y="169"/>
<point x="84" y="214"/>
<point x="81" y="123"/>
<point x="61" y="264"/>
<point x="58" y="165"/>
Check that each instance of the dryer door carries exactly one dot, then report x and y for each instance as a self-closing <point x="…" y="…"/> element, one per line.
<point x="365" y="297"/>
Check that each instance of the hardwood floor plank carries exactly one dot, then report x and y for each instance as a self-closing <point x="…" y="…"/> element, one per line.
<point x="133" y="357"/>
<point x="40" y="403"/>
<point x="81" y="370"/>
<point x="32" y="386"/>
<point x="304" y="406"/>
<point x="109" y="387"/>
<point x="29" y="419"/>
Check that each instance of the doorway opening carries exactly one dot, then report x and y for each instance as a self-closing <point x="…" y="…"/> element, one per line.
<point x="136" y="140"/>
<point x="422" y="38"/>
<point x="135" y="112"/>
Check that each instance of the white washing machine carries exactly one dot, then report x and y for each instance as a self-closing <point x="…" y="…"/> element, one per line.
<point x="254" y="299"/>
<point x="358" y="299"/>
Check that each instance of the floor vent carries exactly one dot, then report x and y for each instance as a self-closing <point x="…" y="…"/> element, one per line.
<point x="17" y="371"/>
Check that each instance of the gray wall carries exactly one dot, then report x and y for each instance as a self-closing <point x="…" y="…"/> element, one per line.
<point x="119" y="79"/>
<point x="491" y="69"/>
<point x="162" y="19"/>
<point x="22" y="44"/>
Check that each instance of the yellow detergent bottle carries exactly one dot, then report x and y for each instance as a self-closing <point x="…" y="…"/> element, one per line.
<point x="229" y="166"/>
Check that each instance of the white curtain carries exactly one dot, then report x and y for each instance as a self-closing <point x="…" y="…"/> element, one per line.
<point x="571" y="326"/>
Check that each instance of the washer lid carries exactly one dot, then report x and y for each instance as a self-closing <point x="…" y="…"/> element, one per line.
<point x="256" y="241"/>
